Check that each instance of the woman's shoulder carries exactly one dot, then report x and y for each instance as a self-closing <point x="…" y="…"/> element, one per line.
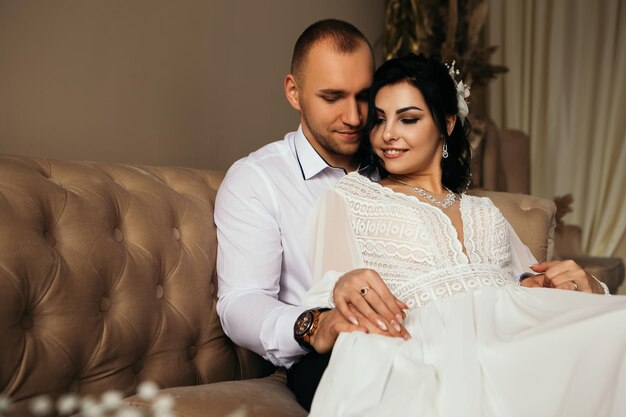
<point x="483" y="205"/>
<point x="480" y="201"/>
<point x="354" y="184"/>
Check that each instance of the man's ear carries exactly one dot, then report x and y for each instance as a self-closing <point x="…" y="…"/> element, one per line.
<point x="450" y="122"/>
<point x="292" y="92"/>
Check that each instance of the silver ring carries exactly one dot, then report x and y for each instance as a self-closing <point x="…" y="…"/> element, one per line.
<point x="575" y="285"/>
<point x="364" y="290"/>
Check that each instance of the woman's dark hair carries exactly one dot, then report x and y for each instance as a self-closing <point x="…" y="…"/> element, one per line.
<point x="433" y="80"/>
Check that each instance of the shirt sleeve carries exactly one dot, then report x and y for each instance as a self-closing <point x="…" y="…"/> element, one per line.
<point x="335" y="248"/>
<point x="249" y="263"/>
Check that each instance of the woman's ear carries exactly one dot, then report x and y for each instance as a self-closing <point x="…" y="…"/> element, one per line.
<point x="450" y="122"/>
<point x="292" y="92"/>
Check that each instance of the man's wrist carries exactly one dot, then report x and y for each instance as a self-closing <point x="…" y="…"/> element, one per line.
<point x="306" y="325"/>
<point x="600" y="286"/>
<point x="527" y="275"/>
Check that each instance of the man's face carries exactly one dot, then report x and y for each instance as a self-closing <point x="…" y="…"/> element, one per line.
<point x="331" y="93"/>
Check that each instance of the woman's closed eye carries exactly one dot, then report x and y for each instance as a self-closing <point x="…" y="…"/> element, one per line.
<point x="409" y="120"/>
<point x="379" y="121"/>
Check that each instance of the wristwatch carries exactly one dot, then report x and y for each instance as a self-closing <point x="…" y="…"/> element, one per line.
<point x="306" y="326"/>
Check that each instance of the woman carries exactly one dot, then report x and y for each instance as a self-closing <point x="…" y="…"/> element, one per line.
<point x="481" y="345"/>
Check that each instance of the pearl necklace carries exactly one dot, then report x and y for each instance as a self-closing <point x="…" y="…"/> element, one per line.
<point x="447" y="202"/>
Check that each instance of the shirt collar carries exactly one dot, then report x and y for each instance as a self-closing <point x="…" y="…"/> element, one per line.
<point x="311" y="162"/>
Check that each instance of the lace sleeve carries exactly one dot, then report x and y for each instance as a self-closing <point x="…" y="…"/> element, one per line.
<point x="521" y="257"/>
<point x="335" y="250"/>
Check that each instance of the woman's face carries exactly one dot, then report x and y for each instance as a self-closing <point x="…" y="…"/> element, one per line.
<point x="405" y="136"/>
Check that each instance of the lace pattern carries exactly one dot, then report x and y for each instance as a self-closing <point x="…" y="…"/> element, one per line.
<point x="415" y="247"/>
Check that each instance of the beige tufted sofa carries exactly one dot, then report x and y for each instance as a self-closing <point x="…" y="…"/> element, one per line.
<point x="107" y="278"/>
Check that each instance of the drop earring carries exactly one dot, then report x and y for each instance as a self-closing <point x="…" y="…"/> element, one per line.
<point x="445" y="149"/>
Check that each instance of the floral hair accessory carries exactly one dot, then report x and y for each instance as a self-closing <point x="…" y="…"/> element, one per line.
<point x="462" y="92"/>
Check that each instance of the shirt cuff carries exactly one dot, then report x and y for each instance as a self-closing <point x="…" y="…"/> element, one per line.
<point x="602" y="284"/>
<point x="525" y="275"/>
<point x="288" y="351"/>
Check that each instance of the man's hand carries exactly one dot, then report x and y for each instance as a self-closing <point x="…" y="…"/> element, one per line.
<point x="565" y="275"/>
<point x="332" y="322"/>
<point x="535" y="281"/>
<point x="362" y="297"/>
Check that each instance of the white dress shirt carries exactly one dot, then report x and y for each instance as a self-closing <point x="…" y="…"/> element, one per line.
<point x="262" y="211"/>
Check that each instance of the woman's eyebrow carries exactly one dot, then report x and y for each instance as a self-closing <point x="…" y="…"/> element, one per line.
<point x="403" y="109"/>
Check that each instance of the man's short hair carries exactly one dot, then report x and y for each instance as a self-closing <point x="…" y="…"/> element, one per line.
<point x="344" y="36"/>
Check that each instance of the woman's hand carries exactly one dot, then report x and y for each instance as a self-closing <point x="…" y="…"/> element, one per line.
<point x="363" y="298"/>
<point x="567" y="275"/>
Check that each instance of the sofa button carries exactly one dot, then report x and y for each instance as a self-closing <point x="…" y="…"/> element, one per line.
<point x="176" y="233"/>
<point x="49" y="237"/>
<point x="55" y="181"/>
<point x="119" y="184"/>
<point x="27" y="321"/>
<point x="137" y="367"/>
<point x="117" y="235"/>
<point x="75" y="386"/>
<point x="192" y="352"/>
<point x="159" y="291"/>
<point x="105" y="304"/>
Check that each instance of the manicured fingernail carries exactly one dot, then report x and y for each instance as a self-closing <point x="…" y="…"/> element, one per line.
<point x="407" y="337"/>
<point x="353" y="320"/>
<point x="396" y="326"/>
<point x="382" y="325"/>
<point x="399" y="318"/>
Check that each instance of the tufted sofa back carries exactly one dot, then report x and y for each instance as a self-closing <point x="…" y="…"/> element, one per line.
<point x="107" y="278"/>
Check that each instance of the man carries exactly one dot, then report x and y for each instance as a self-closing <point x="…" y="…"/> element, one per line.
<point x="265" y="201"/>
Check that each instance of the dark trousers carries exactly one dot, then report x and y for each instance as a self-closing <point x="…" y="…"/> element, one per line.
<point x="304" y="377"/>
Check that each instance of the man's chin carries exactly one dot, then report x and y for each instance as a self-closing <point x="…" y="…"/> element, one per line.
<point x="348" y="150"/>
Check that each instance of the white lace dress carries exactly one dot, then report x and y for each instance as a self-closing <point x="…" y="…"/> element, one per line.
<point x="481" y="344"/>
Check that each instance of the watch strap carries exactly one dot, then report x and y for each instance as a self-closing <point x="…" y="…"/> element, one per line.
<point x="305" y="340"/>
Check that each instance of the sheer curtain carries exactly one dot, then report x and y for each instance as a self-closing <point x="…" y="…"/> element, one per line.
<point x="566" y="88"/>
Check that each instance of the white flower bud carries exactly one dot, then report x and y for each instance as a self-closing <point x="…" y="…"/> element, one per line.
<point x="163" y="403"/>
<point x="111" y="400"/>
<point x="5" y="404"/>
<point x="89" y="407"/>
<point x="68" y="404"/>
<point x="147" y="390"/>
<point x="41" y="406"/>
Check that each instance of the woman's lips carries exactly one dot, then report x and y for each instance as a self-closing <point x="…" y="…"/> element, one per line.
<point x="393" y="153"/>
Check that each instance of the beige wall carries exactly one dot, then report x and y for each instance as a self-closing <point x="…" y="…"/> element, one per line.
<point x="191" y="83"/>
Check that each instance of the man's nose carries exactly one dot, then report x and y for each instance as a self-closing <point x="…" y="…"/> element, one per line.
<point x="354" y="113"/>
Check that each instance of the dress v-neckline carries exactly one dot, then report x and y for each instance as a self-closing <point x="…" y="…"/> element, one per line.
<point x="455" y="242"/>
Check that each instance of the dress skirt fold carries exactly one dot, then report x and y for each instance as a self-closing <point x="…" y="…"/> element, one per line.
<point x="509" y="351"/>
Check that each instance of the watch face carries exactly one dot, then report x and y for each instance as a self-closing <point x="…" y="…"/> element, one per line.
<point x="303" y="323"/>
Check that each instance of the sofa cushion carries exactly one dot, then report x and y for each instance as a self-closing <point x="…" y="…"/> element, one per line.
<point x="263" y="397"/>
